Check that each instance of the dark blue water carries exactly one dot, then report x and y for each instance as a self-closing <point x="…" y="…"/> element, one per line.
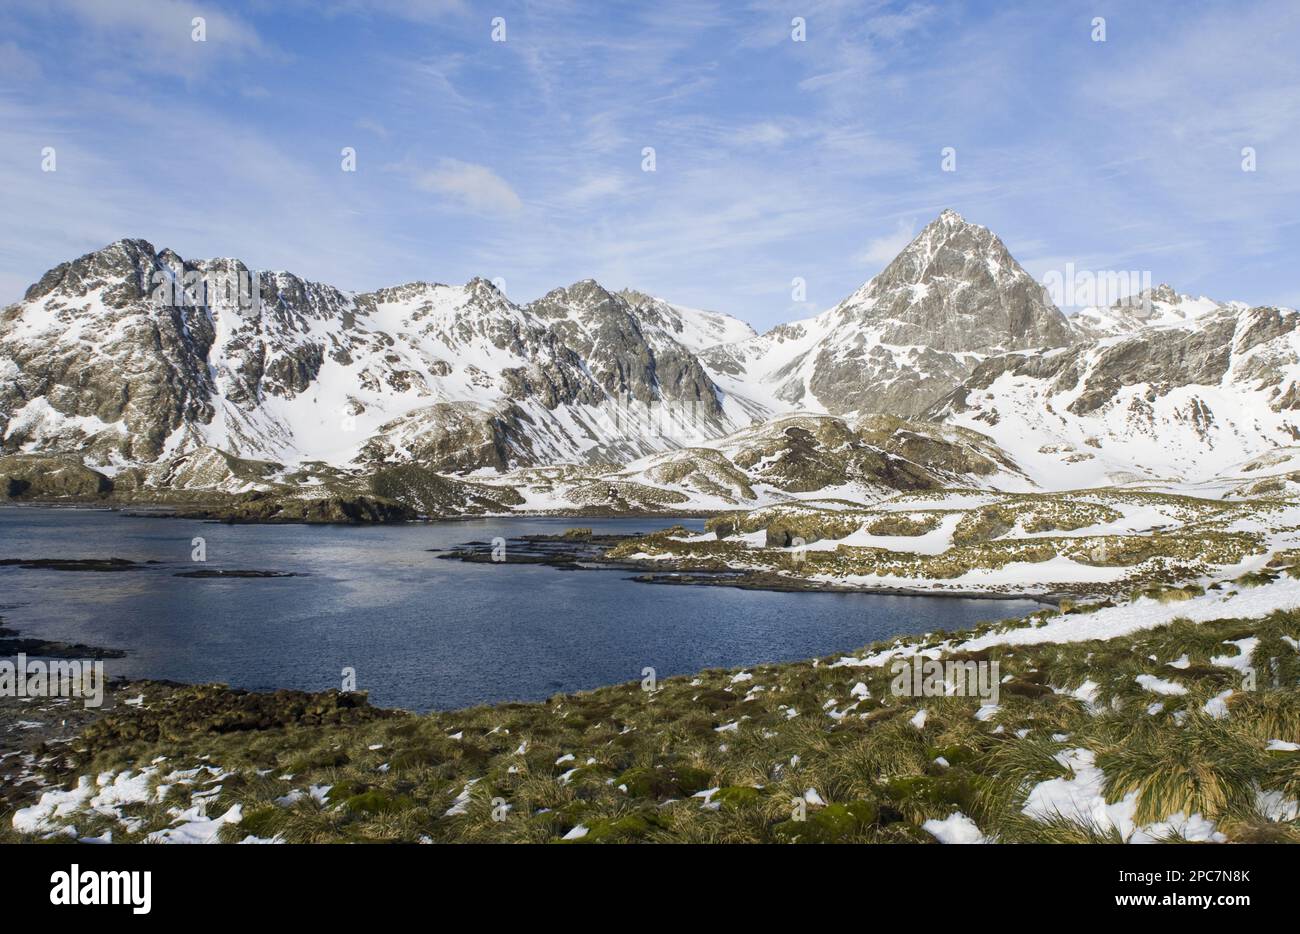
<point x="422" y="633"/>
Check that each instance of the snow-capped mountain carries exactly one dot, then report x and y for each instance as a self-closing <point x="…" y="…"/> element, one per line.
<point x="695" y="329"/>
<point x="952" y="298"/>
<point x="134" y="369"/>
<point x="1192" y="399"/>
<point x="1161" y="306"/>
<point x="108" y="356"/>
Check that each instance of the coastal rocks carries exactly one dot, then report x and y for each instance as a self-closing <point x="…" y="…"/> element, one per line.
<point x="11" y="643"/>
<point x="31" y="476"/>
<point x="72" y="564"/>
<point x="270" y="507"/>
<point x="215" y="708"/>
<point x="432" y="494"/>
<point x="210" y="573"/>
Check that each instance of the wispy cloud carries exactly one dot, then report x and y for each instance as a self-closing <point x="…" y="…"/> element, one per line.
<point x="775" y="159"/>
<point x="471" y="187"/>
<point x="880" y="251"/>
<point x="176" y="37"/>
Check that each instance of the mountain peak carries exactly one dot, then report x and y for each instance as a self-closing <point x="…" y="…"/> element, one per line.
<point x="584" y="292"/>
<point x="957" y="288"/>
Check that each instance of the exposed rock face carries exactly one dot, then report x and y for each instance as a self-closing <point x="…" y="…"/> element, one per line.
<point x="130" y="356"/>
<point x="629" y="356"/>
<point x="1185" y="399"/>
<point x="132" y="372"/>
<point x="34" y="476"/>
<point x="955" y="288"/>
<point x="953" y="297"/>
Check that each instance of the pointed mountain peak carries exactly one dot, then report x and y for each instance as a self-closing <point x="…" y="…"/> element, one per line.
<point x="482" y="284"/>
<point x="1164" y="292"/>
<point x="583" y="293"/>
<point x="129" y="262"/>
<point x="957" y="288"/>
<point x="637" y="297"/>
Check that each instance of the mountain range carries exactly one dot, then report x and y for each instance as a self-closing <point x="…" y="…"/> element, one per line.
<point x="133" y="373"/>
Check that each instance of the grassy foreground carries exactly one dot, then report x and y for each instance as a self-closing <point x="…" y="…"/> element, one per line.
<point x="723" y="756"/>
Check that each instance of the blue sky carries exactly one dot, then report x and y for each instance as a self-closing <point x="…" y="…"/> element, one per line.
<point x="775" y="159"/>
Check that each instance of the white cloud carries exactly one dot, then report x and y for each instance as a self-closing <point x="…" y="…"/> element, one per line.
<point x="596" y="188"/>
<point x="766" y="133"/>
<point x="473" y="187"/>
<point x="152" y="35"/>
<point x="882" y="250"/>
<point x="374" y="126"/>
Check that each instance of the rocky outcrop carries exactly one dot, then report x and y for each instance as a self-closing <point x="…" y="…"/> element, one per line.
<point x="28" y="476"/>
<point x="954" y="296"/>
<point x="273" y="507"/>
<point x="1184" y="400"/>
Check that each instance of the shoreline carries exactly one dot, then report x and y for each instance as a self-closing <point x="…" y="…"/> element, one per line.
<point x="720" y="752"/>
<point x="645" y="572"/>
<point x="537" y="549"/>
<point x="174" y="511"/>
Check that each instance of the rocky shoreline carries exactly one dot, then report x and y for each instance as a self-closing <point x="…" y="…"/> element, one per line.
<point x="1149" y="728"/>
<point x="580" y="550"/>
<point x="12" y="643"/>
<point x="217" y="511"/>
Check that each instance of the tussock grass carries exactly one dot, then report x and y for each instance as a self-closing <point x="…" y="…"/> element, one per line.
<point x="1206" y="767"/>
<point x="640" y="759"/>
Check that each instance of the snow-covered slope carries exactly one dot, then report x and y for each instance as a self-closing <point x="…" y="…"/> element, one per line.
<point x="1161" y="306"/>
<point x="162" y="371"/>
<point x="693" y="328"/>
<point x="98" y="359"/>
<point x="1189" y="401"/>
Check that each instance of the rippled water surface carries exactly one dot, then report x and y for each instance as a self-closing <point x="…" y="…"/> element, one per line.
<point x="422" y="633"/>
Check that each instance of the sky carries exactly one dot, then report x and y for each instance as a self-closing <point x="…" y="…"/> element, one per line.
<point x="774" y="159"/>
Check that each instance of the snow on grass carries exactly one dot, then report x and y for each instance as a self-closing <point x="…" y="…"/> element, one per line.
<point x="1113" y="622"/>
<point x="1081" y="799"/>
<point x="1241" y="661"/>
<point x="461" y="803"/>
<point x="1160" y="685"/>
<point x="955" y="828"/>
<point x="194" y="826"/>
<point x="105" y="795"/>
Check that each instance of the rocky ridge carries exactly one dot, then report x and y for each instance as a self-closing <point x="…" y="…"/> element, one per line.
<point x="133" y="375"/>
